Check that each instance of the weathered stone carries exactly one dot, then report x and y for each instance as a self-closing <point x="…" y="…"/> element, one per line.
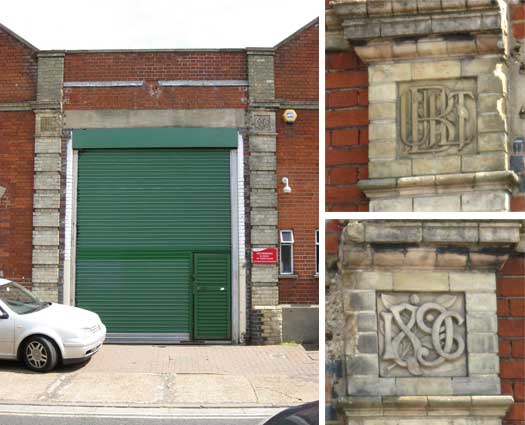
<point x="385" y="130"/>
<point x="48" y="162"/>
<point x="263" y="180"/>
<point x="424" y="386"/>
<point x="263" y="217"/>
<point x="482" y="322"/>
<point x="491" y="122"/>
<point x="371" y="385"/>
<point x="46" y="256"/>
<point x="437" y="203"/>
<point x="389" y="258"/>
<point x="479" y="302"/>
<point x="420" y="258"/>
<point x="431" y="47"/>
<point x="362" y="364"/>
<point x="382" y="150"/>
<point x="436" y="70"/>
<point x="403" y="232"/>
<point x="366" y="322"/>
<point x="263" y="235"/>
<point x="451" y="260"/>
<point x="450" y="232"/>
<point x="362" y="301"/>
<point x="392" y="205"/>
<point x="389" y="72"/>
<point x="46" y="218"/>
<point x="45" y="237"/>
<point x="263" y="162"/>
<point x="482" y="342"/>
<point x="481" y="384"/>
<point x="263" y="198"/>
<point x="355" y="232"/>
<point x="389" y="168"/>
<point x="357" y="257"/>
<point x="441" y="165"/>
<point x="367" y="343"/>
<point x="264" y="273"/>
<point x="382" y="111"/>
<point x="473" y="282"/>
<point x="421" y="281"/>
<point x="382" y="93"/>
<point x="483" y="364"/>
<point x="485" y="201"/>
<point x="503" y="234"/>
<point x="374" y="280"/>
<point x="45" y="273"/>
<point x="488" y="142"/>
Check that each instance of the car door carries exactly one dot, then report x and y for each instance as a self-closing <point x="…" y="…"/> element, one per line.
<point x="7" y="333"/>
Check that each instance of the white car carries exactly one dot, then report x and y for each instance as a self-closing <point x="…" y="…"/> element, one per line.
<point x="42" y="334"/>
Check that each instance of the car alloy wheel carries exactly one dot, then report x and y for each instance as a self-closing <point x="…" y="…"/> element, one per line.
<point x="40" y="354"/>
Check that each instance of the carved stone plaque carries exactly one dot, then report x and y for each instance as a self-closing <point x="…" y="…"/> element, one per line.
<point x="437" y="117"/>
<point x="421" y="334"/>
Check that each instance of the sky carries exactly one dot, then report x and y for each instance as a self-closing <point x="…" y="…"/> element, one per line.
<point x="156" y="24"/>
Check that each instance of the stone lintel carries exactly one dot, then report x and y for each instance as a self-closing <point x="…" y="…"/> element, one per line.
<point x="375" y="406"/>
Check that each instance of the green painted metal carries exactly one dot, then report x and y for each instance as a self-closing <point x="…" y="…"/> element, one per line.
<point x="139" y="138"/>
<point x="212" y="299"/>
<point x="142" y="215"/>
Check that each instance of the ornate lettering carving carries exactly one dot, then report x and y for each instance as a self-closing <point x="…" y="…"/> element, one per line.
<point x="419" y="336"/>
<point x="435" y="118"/>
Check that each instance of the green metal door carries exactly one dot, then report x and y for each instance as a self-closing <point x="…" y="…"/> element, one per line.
<point x="212" y="296"/>
<point x="142" y="215"/>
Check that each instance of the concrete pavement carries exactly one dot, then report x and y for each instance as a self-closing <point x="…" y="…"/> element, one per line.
<point x="172" y="376"/>
<point x="56" y="415"/>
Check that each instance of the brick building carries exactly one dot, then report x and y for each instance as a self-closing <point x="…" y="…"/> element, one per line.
<point x="165" y="167"/>
<point x="379" y="53"/>
<point x="476" y="270"/>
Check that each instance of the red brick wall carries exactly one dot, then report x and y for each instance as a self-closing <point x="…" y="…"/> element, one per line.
<point x="518" y="30"/>
<point x="17" y="84"/>
<point x="297" y="79"/>
<point x="298" y="159"/>
<point x="511" y="329"/>
<point x="346" y="131"/>
<point x="297" y="66"/>
<point x="151" y="67"/>
<point x="16" y="206"/>
<point x="18" y="70"/>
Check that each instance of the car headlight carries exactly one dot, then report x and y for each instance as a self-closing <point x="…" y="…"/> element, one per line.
<point x="85" y="332"/>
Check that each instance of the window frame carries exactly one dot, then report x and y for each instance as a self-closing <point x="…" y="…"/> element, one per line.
<point x="317" y="252"/>
<point x="290" y="244"/>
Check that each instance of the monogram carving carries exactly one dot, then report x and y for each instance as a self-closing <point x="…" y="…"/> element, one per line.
<point x="436" y="118"/>
<point x="262" y="122"/>
<point x="420" y="335"/>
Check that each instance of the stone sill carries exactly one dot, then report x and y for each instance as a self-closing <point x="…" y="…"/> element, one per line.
<point x="288" y="276"/>
<point x="487" y="405"/>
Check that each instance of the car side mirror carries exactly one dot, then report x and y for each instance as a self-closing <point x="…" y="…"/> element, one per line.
<point x="3" y="315"/>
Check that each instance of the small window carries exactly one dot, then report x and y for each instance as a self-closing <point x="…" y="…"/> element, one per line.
<point x="287" y="241"/>
<point x="317" y="252"/>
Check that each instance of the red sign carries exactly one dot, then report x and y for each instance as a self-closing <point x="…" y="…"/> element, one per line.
<point x="264" y="255"/>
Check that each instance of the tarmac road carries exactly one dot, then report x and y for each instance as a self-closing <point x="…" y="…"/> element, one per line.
<point x="68" y="415"/>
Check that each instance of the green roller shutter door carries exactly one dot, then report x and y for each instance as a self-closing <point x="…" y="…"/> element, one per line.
<point x="142" y="217"/>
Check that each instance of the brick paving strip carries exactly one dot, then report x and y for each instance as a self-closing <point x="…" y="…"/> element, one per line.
<point x="172" y="376"/>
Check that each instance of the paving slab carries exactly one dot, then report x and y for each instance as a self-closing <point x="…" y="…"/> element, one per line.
<point x="172" y="376"/>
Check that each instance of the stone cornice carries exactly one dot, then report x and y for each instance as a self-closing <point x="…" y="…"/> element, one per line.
<point x="438" y="184"/>
<point x="29" y="106"/>
<point x="431" y="406"/>
<point x="428" y="245"/>
<point x="388" y="30"/>
<point x="372" y="8"/>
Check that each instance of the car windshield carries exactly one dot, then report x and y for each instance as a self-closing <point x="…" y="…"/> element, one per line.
<point x="20" y="300"/>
